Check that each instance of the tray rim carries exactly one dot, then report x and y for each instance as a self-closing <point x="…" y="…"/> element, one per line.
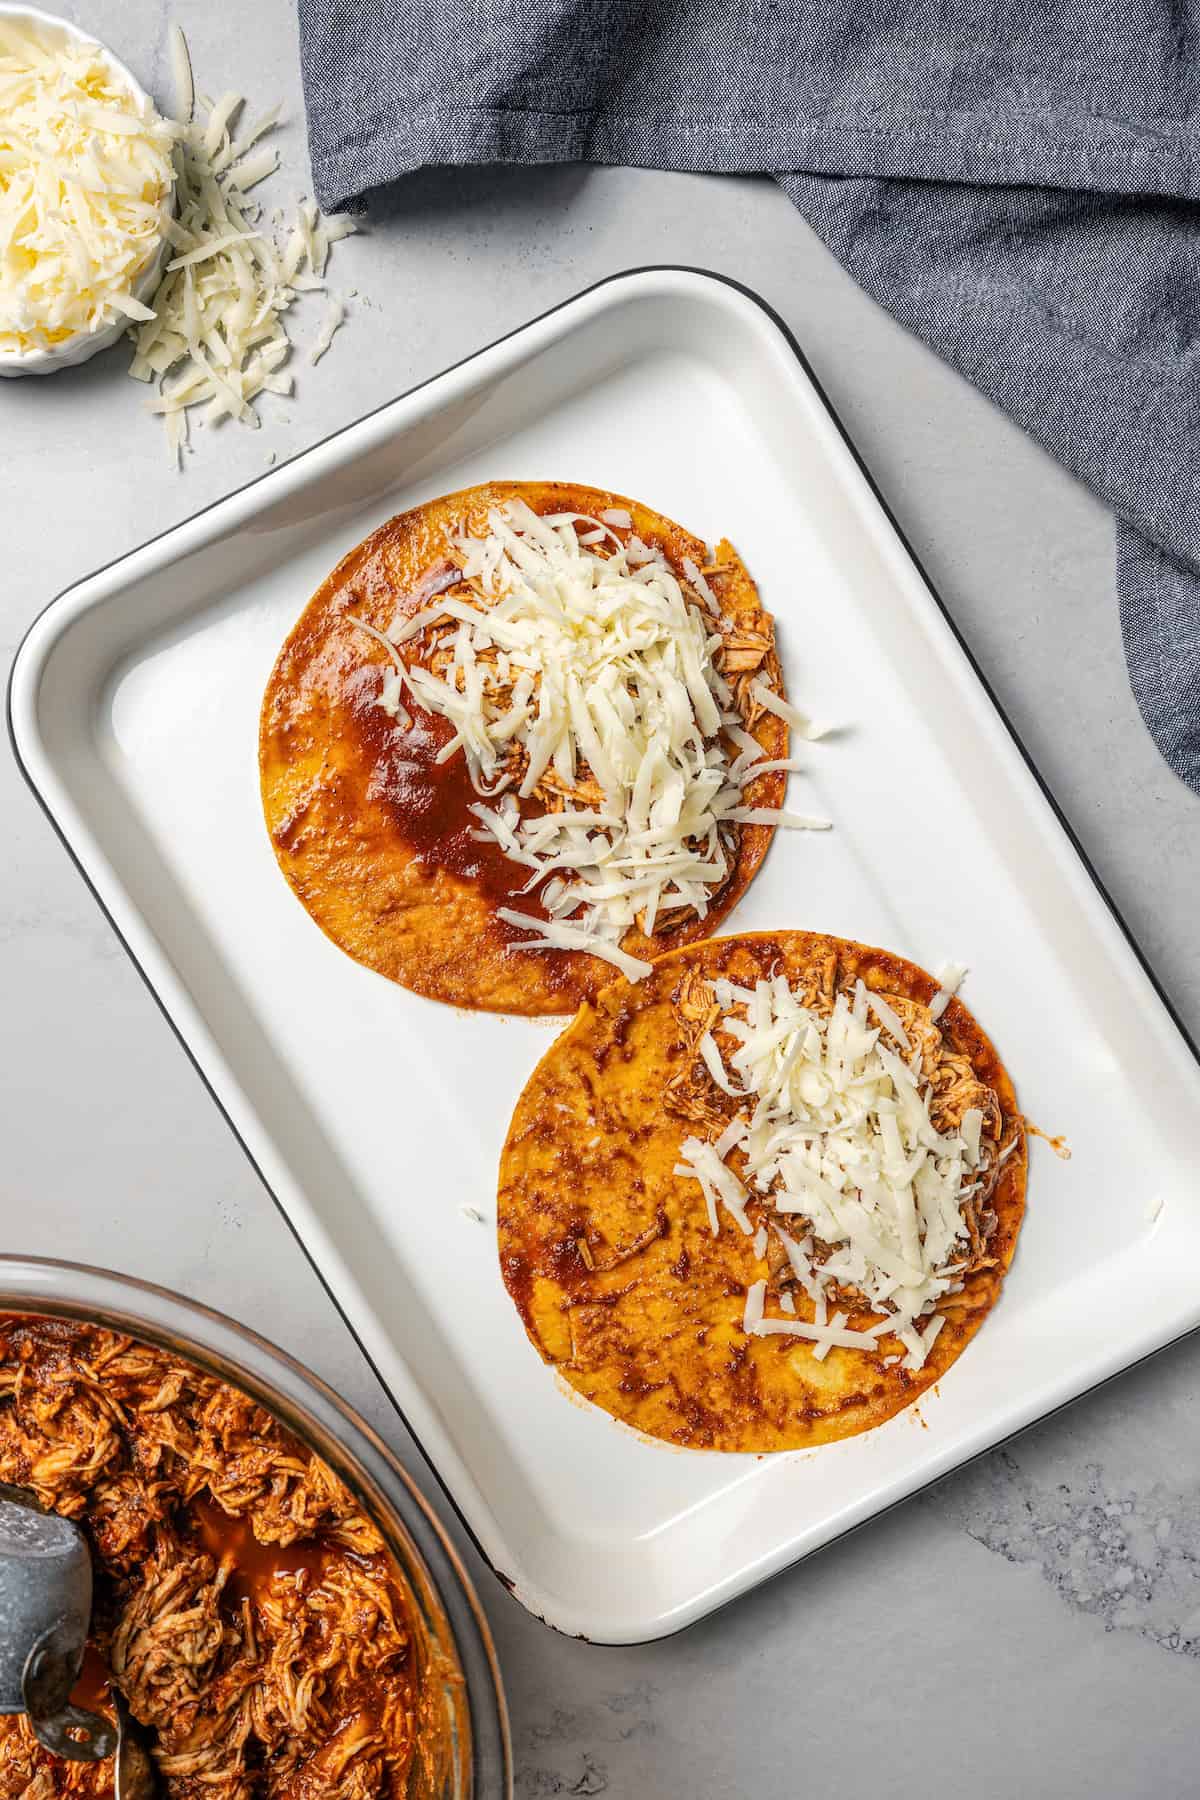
<point x="21" y="691"/>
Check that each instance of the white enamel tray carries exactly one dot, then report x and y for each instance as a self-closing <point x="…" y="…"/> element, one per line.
<point x="376" y="1117"/>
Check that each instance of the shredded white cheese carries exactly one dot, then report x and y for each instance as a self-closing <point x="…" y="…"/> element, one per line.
<point x="591" y="663"/>
<point x="555" y="935"/>
<point x="85" y="184"/>
<point x="800" y="722"/>
<point x="333" y="321"/>
<point x="717" y="1178"/>
<point x="216" y="336"/>
<point x="181" y="68"/>
<point x="950" y="978"/>
<point x="840" y="1136"/>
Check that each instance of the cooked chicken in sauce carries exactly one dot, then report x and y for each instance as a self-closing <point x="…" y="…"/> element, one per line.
<point x="244" y="1604"/>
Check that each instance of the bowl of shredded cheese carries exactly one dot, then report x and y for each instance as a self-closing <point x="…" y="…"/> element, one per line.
<point x="87" y="178"/>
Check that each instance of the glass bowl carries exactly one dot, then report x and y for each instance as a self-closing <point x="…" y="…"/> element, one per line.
<point x="452" y="1637"/>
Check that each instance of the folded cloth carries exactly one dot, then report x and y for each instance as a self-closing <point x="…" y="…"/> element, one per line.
<point x="1016" y="182"/>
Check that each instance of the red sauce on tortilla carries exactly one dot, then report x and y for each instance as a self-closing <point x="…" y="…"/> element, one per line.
<point x="428" y="804"/>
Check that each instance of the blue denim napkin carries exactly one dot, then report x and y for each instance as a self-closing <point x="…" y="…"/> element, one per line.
<point x="1015" y="181"/>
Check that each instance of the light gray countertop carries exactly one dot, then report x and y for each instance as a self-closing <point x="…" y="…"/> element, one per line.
<point x="1033" y="1624"/>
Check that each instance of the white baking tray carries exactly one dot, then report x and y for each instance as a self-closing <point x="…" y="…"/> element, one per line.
<point x="376" y="1117"/>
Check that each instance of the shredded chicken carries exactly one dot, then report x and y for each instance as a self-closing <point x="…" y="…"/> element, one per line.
<point x="691" y="1091"/>
<point x="244" y="1604"/>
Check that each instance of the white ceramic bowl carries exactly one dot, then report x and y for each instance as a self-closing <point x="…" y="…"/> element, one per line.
<point x="77" y="349"/>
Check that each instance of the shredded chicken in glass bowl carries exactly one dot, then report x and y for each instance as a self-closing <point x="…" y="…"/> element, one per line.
<point x="273" y="1598"/>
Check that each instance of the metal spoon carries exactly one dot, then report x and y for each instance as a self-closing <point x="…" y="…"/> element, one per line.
<point x="137" y="1777"/>
<point x="45" y="1610"/>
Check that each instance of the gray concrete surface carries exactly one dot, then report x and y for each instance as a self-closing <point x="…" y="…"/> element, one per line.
<point x="1034" y="1624"/>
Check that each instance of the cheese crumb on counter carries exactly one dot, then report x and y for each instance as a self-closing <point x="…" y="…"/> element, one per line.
<point x="217" y="338"/>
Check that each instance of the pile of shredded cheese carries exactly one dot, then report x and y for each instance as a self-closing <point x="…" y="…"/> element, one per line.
<point x="582" y="650"/>
<point x="85" y="178"/>
<point x="214" y="335"/>
<point x="92" y="179"/>
<point x="837" y="1138"/>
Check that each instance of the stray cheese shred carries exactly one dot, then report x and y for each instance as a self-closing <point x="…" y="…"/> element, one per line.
<point x="86" y="175"/>
<point x="837" y="1139"/>
<point x="600" y="669"/>
<point x="951" y="977"/>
